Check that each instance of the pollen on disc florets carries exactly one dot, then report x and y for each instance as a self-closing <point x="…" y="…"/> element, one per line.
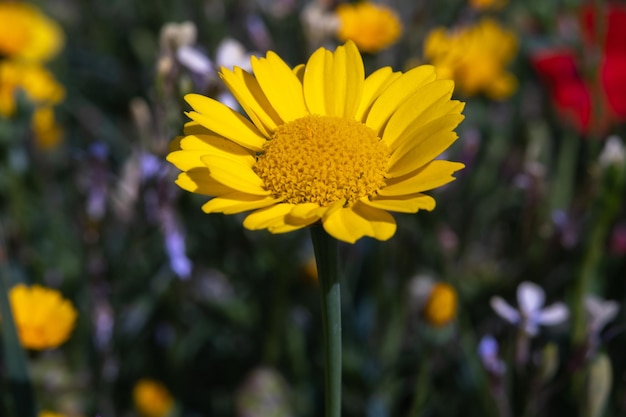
<point x="322" y="159"/>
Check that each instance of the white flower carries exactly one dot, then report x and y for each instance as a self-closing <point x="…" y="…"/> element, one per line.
<point x="600" y="312"/>
<point x="613" y="152"/>
<point x="531" y="314"/>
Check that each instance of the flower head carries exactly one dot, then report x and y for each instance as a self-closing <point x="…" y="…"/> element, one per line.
<point x="599" y="312"/>
<point x="152" y="398"/>
<point x="475" y="57"/>
<point x="531" y="314"/>
<point x="49" y="414"/>
<point x="38" y="84"/>
<point x="27" y="34"/>
<point x="370" y="26"/>
<point x="488" y="351"/>
<point x="44" y="319"/>
<point x="322" y="144"/>
<point x="441" y="305"/>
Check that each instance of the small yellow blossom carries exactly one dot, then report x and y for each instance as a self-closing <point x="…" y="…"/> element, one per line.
<point x="44" y="319"/>
<point x="487" y="4"/>
<point x="45" y="128"/>
<point x="39" y="85"/>
<point x="475" y="58"/>
<point x="152" y="398"/>
<point x="440" y="308"/>
<point x="49" y="414"/>
<point x="27" y="34"/>
<point x="370" y="26"/>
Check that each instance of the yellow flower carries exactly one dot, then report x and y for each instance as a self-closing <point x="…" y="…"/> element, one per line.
<point x="324" y="144"/>
<point x="49" y="414"/>
<point x="440" y="308"/>
<point x="371" y="26"/>
<point x="45" y="128"/>
<point x="152" y="399"/>
<point x="44" y="319"/>
<point x="39" y="85"/>
<point x="475" y="58"/>
<point x="487" y="4"/>
<point x="27" y="34"/>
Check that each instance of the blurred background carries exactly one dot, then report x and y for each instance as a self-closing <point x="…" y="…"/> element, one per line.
<point x="185" y="314"/>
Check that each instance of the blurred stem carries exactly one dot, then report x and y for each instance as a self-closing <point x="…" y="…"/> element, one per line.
<point x="607" y="208"/>
<point x="563" y="184"/>
<point x="326" y="258"/>
<point x="14" y="356"/>
<point x="422" y="386"/>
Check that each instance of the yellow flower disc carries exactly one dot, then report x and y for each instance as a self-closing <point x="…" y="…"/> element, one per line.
<point x="27" y="34"/>
<point x="441" y="306"/>
<point x="152" y="399"/>
<point x="337" y="159"/>
<point x="44" y="319"/>
<point x="321" y="143"/>
<point x="371" y="26"/>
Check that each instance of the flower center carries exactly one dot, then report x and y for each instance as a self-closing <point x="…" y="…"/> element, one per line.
<point x="322" y="159"/>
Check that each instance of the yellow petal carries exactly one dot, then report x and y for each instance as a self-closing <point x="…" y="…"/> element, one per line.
<point x="273" y="216"/>
<point x="438" y="91"/>
<point x="304" y="214"/>
<point x="236" y="203"/>
<point x="195" y="128"/>
<point x="250" y="96"/>
<point x="234" y="174"/>
<point x="402" y="204"/>
<point x="216" y="145"/>
<point x="199" y="180"/>
<point x="186" y="160"/>
<point x="373" y="86"/>
<point x="174" y="144"/>
<point x="280" y="85"/>
<point x="418" y="154"/>
<point x="285" y="228"/>
<point x="450" y="111"/>
<point x="352" y="223"/>
<point x="396" y="93"/>
<point x="433" y="175"/>
<point x="224" y="121"/>
<point x="333" y="82"/>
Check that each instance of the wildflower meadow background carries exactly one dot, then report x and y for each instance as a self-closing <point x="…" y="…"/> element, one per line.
<point x="120" y="297"/>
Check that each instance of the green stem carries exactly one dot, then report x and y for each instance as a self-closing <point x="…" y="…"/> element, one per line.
<point x="326" y="258"/>
<point x="14" y="357"/>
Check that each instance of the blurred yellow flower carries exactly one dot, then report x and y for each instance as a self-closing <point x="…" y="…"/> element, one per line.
<point x="152" y="398"/>
<point x="370" y="26"/>
<point x="45" y="128"/>
<point x="27" y="34"/>
<point x="475" y="58"/>
<point x="44" y="319"/>
<point x="39" y="85"/>
<point x="440" y="308"/>
<point x="323" y="144"/>
<point x="487" y="4"/>
<point x="49" y="414"/>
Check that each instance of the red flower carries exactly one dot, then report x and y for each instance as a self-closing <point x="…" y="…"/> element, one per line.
<point x="570" y="92"/>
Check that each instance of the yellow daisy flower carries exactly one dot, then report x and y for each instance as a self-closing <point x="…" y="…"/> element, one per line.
<point x="44" y="319"/>
<point x="322" y="144"/>
<point x="27" y="34"/>
<point x="152" y="398"/>
<point x="475" y="57"/>
<point x="371" y="26"/>
<point x="49" y="414"/>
